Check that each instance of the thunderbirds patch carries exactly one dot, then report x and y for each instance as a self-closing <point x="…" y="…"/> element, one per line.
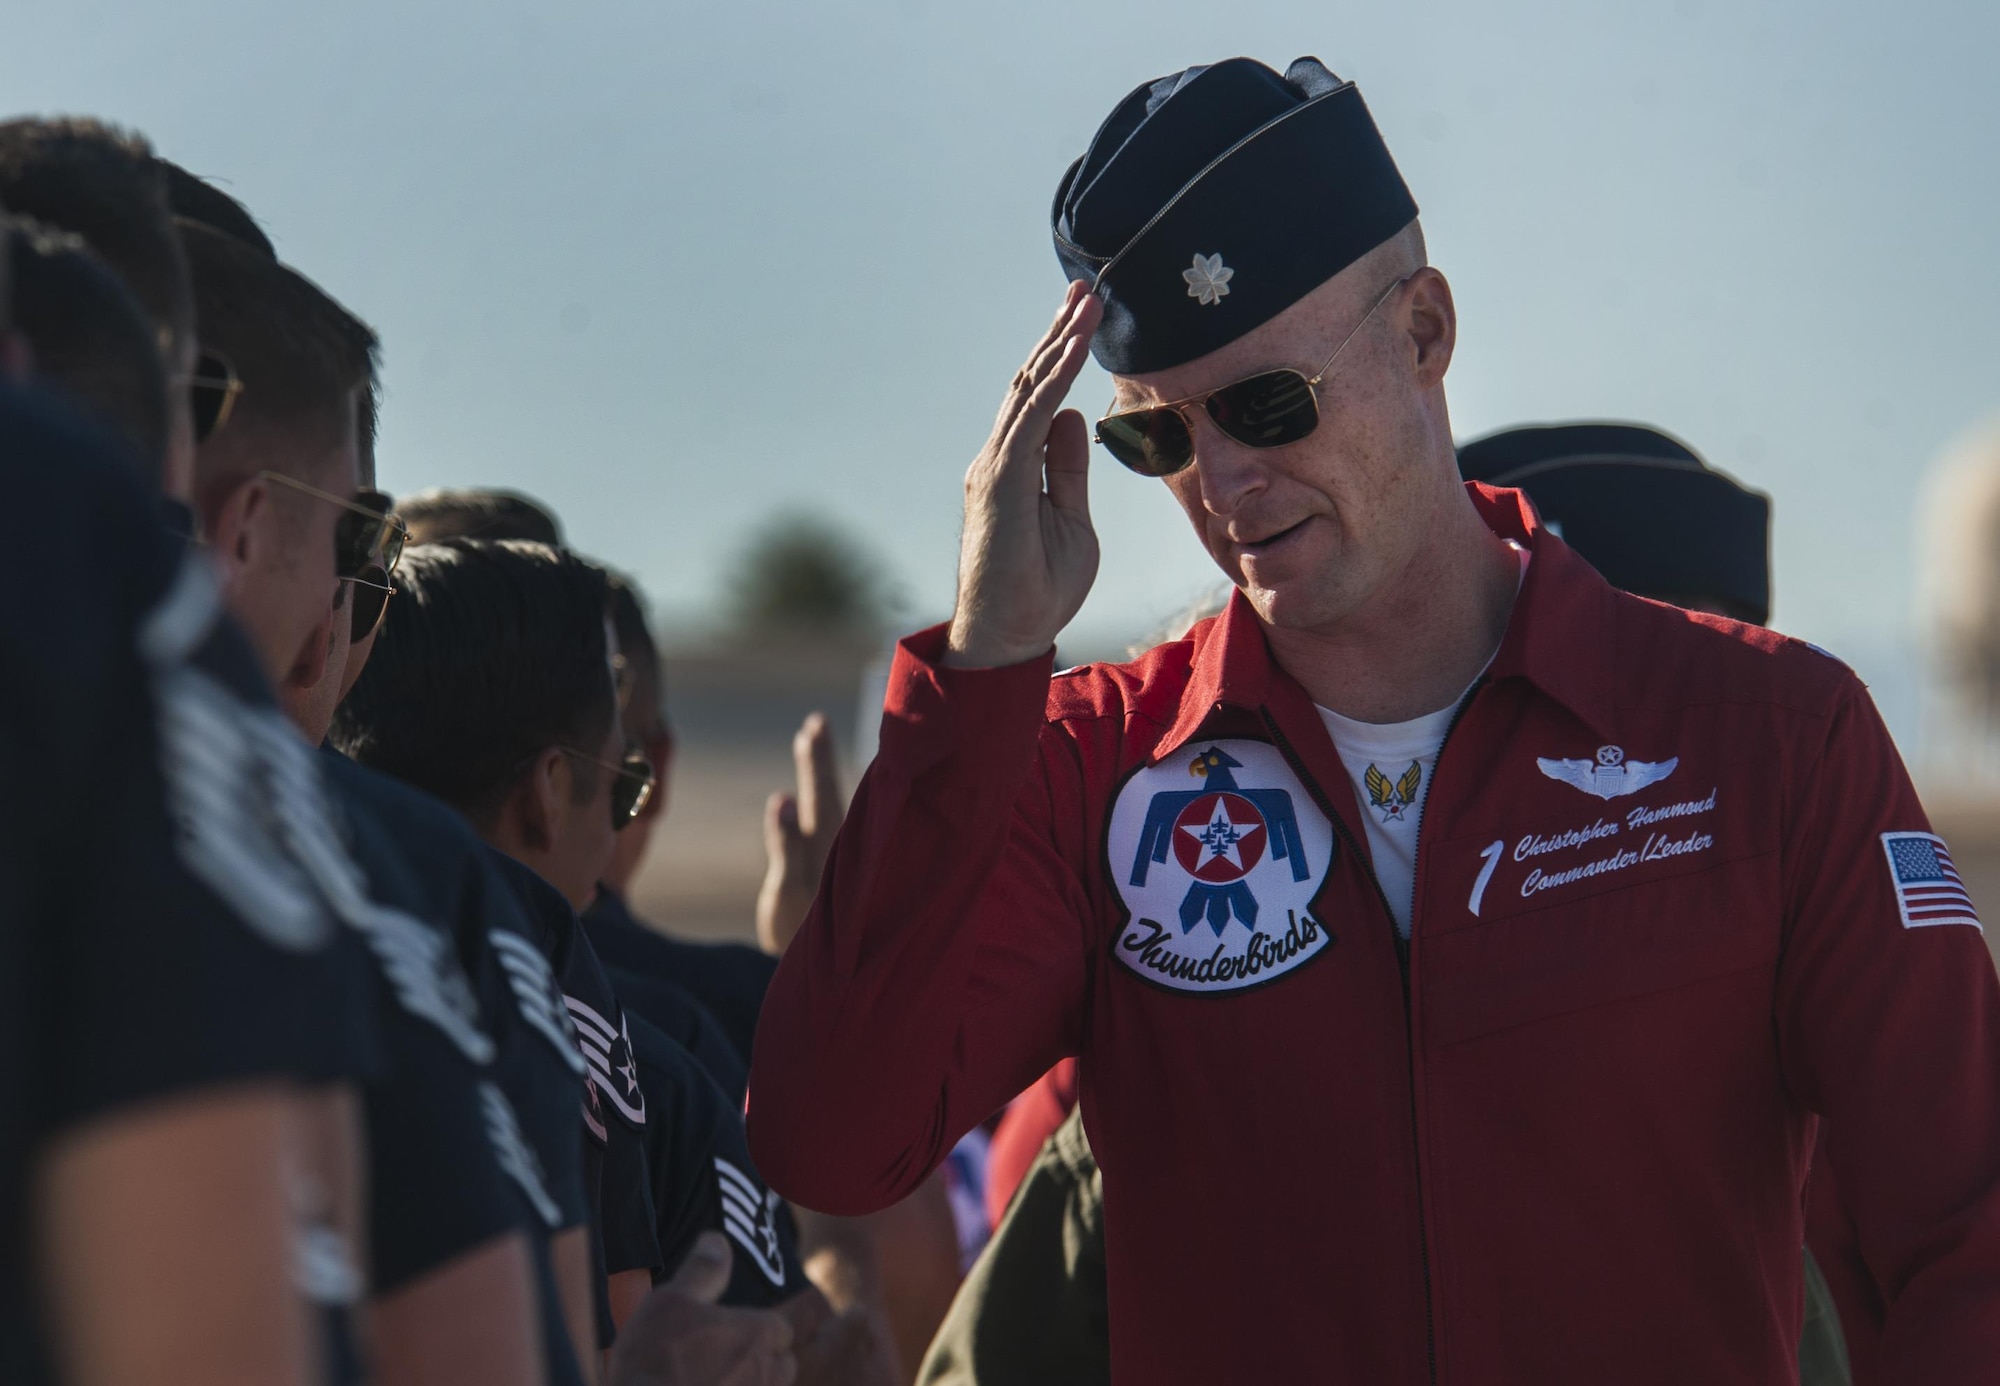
<point x="1217" y="853"/>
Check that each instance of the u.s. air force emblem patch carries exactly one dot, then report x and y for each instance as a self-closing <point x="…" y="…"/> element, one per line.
<point x="1218" y="876"/>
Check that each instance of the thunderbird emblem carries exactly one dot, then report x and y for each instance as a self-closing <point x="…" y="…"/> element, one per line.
<point x="1610" y="776"/>
<point x="1218" y="834"/>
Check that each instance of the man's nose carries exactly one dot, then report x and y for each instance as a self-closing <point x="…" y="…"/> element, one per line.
<point x="1229" y="472"/>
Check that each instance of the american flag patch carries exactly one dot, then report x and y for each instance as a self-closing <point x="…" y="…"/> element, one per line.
<point x="1928" y="888"/>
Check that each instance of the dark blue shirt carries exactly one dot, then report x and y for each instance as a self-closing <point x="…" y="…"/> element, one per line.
<point x="443" y="872"/>
<point x="729" y="979"/>
<point x="687" y="1022"/>
<point x="614" y="1109"/>
<point x="703" y="1176"/>
<point x="157" y="933"/>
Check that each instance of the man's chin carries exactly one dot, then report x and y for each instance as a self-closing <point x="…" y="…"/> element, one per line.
<point x="1300" y="604"/>
<point x="1276" y="606"/>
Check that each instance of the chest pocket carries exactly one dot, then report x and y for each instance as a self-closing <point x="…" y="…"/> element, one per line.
<point x="1562" y="956"/>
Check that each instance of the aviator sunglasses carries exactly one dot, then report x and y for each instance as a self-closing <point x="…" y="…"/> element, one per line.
<point x="1269" y="410"/>
<point x="367" y="546"/>
<point x="369" y="590"/>
<point x="367" y="595"/>
<point x="212" y="392"/>
<point x="631" y="785"/>
<point x="366" y="535"/>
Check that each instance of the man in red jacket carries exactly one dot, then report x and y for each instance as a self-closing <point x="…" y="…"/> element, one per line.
<point x="1531" y="1104"/>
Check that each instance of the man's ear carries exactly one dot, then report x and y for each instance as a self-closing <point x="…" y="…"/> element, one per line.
<point x="538" y="801"/>
<point x="309" y="666"/>
<point x="239" y="529"/>
<point x="1433" y="325"/>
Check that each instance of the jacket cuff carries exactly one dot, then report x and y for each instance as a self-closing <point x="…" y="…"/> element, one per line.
<point x="988" y="722"/>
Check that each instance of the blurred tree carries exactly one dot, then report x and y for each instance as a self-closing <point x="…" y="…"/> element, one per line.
<point x="799" y="575"/>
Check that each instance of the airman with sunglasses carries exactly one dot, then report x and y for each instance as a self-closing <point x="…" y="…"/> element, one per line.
<point x="457" y="1210"/>
<point x="1488" y="1079"/>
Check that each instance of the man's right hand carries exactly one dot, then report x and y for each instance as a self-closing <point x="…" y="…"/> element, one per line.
<point x="1029" y="554"/>
<point x="680" y="1336"/>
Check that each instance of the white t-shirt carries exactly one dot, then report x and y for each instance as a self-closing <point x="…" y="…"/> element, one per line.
<point x="1391" y="764"/>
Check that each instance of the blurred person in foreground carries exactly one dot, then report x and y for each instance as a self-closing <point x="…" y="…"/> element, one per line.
<point x="88" y="338"/>
<point x="94" y="181"/>
<point x="1401" y="1118"/>
<point x="1647" y="512"/>
<point x="181" y="1012"/>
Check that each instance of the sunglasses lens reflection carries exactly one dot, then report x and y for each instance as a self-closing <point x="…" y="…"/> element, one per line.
<point x="1152" y="442"/>
<point x="1266" y="411"/>
<point x="366" y="541"/>
<point x="632" y="790"/>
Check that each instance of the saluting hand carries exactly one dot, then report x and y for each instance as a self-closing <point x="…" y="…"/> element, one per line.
<point x="680" y="1336"/>
<point x="1029" y="553"/>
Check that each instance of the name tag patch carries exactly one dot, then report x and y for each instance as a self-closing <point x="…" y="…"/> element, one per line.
<point x="1217" y="854"/>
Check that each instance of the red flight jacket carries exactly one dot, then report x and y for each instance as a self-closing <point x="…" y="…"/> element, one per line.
<point x="1675" y="896"/>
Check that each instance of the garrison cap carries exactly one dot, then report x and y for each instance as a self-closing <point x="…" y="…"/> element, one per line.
<point x="1641" y="507"/>
<point x="1212" y="200"/>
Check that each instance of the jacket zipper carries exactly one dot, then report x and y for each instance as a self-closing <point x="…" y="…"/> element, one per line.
<point x="1409" y="1013"/>
<point x="1403" y="966"/>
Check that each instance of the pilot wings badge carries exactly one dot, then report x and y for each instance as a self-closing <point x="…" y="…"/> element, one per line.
<point x="1394" y="800"/>
<point x="1610" y="776"/>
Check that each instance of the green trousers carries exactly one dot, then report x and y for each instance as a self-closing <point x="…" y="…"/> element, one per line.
<point x="1032" y="1312"/>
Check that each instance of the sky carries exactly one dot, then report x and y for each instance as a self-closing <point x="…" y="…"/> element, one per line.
<point x="677" y="267"/>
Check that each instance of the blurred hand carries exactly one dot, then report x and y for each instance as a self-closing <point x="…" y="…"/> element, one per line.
<point x="1029" y="554"/>
<point x="798" y="834"/>
<point x="844" y="1349"/>
<point x="681" y="1337"/>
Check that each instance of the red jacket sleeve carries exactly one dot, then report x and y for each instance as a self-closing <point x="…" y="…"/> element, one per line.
<point x="942" y="968"/>
<point x="1892" y="1033"/>
<point x="1022" y="1132"/>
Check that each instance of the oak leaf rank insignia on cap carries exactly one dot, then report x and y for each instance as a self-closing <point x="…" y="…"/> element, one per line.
<point x="1288" y="172"/>
<point x="1209" y="280"/>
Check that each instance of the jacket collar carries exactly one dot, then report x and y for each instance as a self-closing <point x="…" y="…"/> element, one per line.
<point x="1558" y="639"/>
